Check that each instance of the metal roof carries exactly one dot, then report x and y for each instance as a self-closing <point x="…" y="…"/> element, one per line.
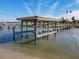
<point x="38" y="18"/>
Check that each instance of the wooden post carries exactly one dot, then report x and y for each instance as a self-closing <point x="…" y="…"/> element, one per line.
<point x="35" y="29"/>
<point x="47" y="29"/>
<point x="43" y="26"/>
<point x="26" y="28"/>
<point x="48" y="26"/>
<point x="21" y="29"/>
<point x="13" y="33"/>
<point x="55" y="26"/>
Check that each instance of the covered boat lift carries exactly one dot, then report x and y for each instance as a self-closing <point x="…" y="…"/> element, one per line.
<point x="40" y="26"/>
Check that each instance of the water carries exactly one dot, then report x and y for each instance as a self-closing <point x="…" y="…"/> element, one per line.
<point x="65" y="42"/>
<point x="7" y="35"/>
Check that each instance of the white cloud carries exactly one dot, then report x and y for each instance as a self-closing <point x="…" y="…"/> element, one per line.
<point x="6" y="17"/>
<point x="77" y="1"/>
<point x="28" y="8"/>
<point x="54" y="6"/>
<point x="75" y="14"/>
<point x="70" y="15"/>
<point x="38" y="9"/>
<point x="51" y="9"/>
<point x="67" y="6"/>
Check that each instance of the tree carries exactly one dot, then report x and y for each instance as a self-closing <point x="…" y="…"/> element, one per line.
<point x="63" y="20"/>
<point x="66" y="11"/>
<point x="73" y="19"/>
<point x="70" y="11"/>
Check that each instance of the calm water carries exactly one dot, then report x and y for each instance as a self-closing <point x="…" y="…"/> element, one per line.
<point x="64" y="42"/>
<point x="7" y="35"/>
<point x="68" y="42"/>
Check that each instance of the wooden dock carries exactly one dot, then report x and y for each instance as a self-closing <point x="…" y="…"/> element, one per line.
<point x="41" y="26"/>
<point x="45" y="34"/>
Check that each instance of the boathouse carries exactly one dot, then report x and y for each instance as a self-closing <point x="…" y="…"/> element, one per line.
<point x="38" y="26"/>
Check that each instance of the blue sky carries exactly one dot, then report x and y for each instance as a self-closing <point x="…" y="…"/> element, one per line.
<point x="11" y="9"/>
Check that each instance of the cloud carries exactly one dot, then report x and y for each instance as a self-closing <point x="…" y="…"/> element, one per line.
<point x="75" y="14"/>
<point x="67" y="6"/>
<point x="28" y="8"/>
<point x="70" y="5"/>
<point x="77" y="1"/>
<point x="52" y="8"/>
<point x="6" y="17"/>
<point x="38" y="9"/>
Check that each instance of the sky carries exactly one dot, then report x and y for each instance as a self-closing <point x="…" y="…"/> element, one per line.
<point x="12" y="9"/>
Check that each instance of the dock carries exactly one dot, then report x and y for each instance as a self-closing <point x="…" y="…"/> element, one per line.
<point x="45" y="34"/>
<point x="41" y="26"/>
